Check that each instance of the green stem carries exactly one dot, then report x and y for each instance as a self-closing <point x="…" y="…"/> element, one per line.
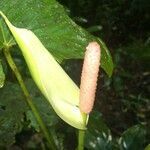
<point x="81" y="139"/>
<point x="81" y="135"/>
<point x="14" y="68"/>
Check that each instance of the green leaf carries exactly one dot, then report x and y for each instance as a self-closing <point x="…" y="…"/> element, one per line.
<point x="5" y="37"/>
<point x="2" y="76"/>
<point x="12" y="109"/>
<point x="133" y="138"/>
<point x="98" y="136"/>
<point x="49" y="21"/>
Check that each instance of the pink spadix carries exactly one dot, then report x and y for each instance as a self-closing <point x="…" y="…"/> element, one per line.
<point x="89" y="77"/>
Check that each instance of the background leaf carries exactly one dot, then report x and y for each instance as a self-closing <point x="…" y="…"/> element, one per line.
<point x="12" y="109"/>
<point x="133" y="138"/>
<point x="14" y="112"/>
<point x="49" y="21"/>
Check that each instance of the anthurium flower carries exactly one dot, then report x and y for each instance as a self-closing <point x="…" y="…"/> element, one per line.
<point x="51" y="79"/>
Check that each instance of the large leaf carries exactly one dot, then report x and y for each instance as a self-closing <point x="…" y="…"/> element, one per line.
<point x="133" y="138"/>
<point x="49" y="21"/>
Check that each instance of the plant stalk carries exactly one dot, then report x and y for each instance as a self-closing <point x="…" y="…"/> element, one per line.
<point x="28" y="99"/>
<point x="81" y="139"/>
<point x="81" y="135"/>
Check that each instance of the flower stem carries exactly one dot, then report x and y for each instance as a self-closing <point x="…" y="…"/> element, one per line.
<point x="81" y="135"/>
<point x="48" y="136"/>
<point x="81" y="139"/>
